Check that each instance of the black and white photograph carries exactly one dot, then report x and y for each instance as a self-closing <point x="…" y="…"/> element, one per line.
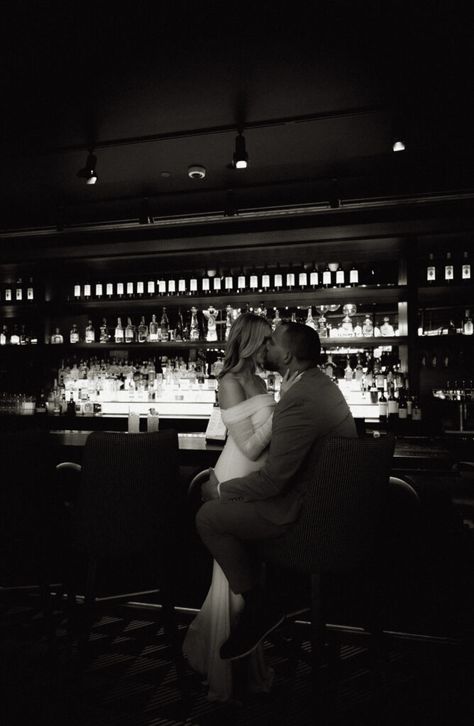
<point x="236" y="363"/>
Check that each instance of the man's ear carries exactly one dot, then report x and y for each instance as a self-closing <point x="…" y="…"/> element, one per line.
<point x="287" y="357"/>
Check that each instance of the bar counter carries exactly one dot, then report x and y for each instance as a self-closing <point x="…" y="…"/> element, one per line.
<point x="411" y="454"/>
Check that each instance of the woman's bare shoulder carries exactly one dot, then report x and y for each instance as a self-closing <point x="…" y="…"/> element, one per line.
<point x="231" y="391"/>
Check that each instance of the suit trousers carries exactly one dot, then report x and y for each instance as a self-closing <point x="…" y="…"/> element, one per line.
<point x="228" y="528"/>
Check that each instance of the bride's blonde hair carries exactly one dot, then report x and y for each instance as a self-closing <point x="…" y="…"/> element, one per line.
<point x="246" y="336"/>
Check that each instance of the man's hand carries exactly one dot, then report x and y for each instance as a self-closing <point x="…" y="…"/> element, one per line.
<point x="209" y="488"/>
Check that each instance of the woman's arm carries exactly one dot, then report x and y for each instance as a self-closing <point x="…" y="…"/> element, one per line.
<point x="250" y="441"/>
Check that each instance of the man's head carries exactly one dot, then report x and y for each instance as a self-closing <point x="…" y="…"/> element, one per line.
<point x="293" y="346"/>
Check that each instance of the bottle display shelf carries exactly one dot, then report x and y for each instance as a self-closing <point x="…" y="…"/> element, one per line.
<point x="320" y="296"/>
<point x="353" y="344"/>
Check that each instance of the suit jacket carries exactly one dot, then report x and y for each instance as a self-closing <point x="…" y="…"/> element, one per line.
<point x="313" y="408"/>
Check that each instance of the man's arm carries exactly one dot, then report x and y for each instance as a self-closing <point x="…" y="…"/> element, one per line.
<point x="294" y="431"/>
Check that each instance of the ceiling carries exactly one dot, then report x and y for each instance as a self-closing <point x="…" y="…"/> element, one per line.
<point x="319" y="90"/>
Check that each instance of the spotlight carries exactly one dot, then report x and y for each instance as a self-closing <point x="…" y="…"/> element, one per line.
<point x="88" y="172"/>
<point x="398" y="145"/>
<point x="241" y="157"/>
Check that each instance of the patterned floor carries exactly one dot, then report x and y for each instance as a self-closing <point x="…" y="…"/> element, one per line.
<point x="129" y="679"/>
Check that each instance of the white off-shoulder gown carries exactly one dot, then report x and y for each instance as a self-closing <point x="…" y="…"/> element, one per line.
<point x="211" y="627"/>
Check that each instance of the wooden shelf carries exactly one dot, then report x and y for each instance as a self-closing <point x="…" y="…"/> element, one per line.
<point x="452" y="295"/>
<point x="445" y="339"/>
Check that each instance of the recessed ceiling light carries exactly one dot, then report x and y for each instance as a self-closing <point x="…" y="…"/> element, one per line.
<point x="197" y="171"/>
<point x="165" y="174"/>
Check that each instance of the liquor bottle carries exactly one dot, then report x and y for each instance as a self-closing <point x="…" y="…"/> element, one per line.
<point x="277" y="280"/>
<point x="253" y="281"/>
<point x="448" y="268"/>
<point x="129" y="331"/>
<point x="161" y="283"/>
<point x="206" y="283"/>
<point x="153" y="330"/>
<point x="265" y="281"/>
<point x="217" y="283"/>
<point x="353" y="276"/>
<point x="19" y="290"/>
<point x="74" y="334"/>
<point x="340" y="277"/>
<point x="30" y="291"/>
<point x="71" y="406"/>
<point x="327" y="277"/>
<point x="402" y="405"/>
<point x="180" y="335"/>
<point x="359" y="370"/>
<point x="120" y="290"/>
<point x="194" y="332"/>
<point x="142" y="331"/>
<point x="24" y="339"/>
<point x="228" y="320"/>
<point x="467" y="326"/>
<point x="386" y="329"/>
<point x="290" y="279"/>
<point x="99" y="290"/>
<point x="383" y="407"/>
<point x="329" y="366"/>
<point x="228" y="283"/>
<point x="119" y="332"/>
<point x="303" y="279"/>
<point x="130" y="290"/>
<point x="109" y="290"/>
<point x="40" y="405"/>
<point x="392" y="405"/>
<point x="150" y="288"/>
<point x="348" y="371"/>
<point x="89" y="333"/>
<point x="171" y="285"/>
<point x="14" y="337"/>
<point x="416" y="411"/>
<point x="104" y="335"/>
<point x="87" y="291"/>
<point x="322" y="326"/>
<point x="466" y="269"/>
<point x="241" y="281"/>
<point x="8" y="294"/>
<point x="4" y="335"/>
<point x="431" y="270"/>
<point x="314" y="278"/>
<point x="181" y="285"/>
<point x="276" y="319"/>
<point x="347" y="329"/>
<point x="164" y="326"/>
<point x="140" y="288"/>
<point x="310" y="322"/>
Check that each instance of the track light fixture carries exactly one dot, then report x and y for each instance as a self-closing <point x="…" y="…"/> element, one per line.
<point x="241" y="157"/>
<point x="88" y="172"/>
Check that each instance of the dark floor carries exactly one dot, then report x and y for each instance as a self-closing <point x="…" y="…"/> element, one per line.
<point x="128" y="678"/>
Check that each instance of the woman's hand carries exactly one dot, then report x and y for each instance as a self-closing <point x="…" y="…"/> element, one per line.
<point x="288" y="381"/>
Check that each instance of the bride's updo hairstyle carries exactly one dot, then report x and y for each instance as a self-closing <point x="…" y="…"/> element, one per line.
<point x="247" y="334"/>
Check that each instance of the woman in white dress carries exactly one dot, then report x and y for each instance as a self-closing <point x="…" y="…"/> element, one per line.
<point x="247" y="411"/>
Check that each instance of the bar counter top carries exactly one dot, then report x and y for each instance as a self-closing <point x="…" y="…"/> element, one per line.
<point x="411" y="453"/>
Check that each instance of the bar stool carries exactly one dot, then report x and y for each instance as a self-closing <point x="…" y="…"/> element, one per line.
<point x="128" y="504"/>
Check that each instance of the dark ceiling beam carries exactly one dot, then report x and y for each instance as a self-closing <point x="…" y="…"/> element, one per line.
<point x="210" y="130"/>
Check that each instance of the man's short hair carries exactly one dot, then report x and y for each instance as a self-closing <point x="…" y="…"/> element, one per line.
<point x="302" y="341"/>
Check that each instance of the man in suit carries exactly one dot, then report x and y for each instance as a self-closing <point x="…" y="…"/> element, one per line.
<point x="264" y="504"/>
